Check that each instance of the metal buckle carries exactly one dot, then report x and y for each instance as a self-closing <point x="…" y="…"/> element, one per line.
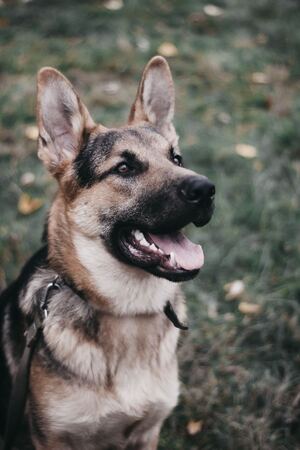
<point x="32" y="332"/>
<point x="55" y="284"/>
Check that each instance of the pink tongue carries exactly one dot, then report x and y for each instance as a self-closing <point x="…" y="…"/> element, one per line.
<point x="188" y="255"/>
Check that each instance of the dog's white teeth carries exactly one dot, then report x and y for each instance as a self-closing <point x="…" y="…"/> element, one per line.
<point x="160" y="251"/>
<point x="138" y="235"/>
<point x="153" y="247"/>
<point x="172" y="259"/>
<point x="144" y="242"/>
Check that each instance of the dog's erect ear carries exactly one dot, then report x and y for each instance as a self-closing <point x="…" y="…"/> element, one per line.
<point x="62" y="120"/>
<point x="155" y="98"/>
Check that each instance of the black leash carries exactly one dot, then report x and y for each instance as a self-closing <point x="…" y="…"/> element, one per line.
<point x="20" y="385"/>
<point x="18" y="397"/>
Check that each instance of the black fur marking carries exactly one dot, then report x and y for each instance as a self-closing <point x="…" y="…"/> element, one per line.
<point x="92" y="154"/>
<point x="82" y="164"/>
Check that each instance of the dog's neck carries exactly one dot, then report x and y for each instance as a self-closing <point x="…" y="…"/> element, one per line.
<point x="108" y="283"/>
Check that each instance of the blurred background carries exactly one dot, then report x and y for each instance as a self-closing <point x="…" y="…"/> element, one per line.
<point x="236" y="66"/>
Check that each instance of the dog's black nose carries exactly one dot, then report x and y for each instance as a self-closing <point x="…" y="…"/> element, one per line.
<point x="196" y="190"/>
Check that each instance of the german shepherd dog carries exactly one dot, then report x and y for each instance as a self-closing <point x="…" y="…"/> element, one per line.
<point x="104" y="372"/>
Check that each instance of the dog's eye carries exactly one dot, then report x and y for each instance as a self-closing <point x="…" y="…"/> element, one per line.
<point x="177" y="159"/>
<point x="123" y="168"/>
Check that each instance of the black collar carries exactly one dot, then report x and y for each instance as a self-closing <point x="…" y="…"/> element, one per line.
<point x="172" y="316"/>
<point x="43" y="295"/>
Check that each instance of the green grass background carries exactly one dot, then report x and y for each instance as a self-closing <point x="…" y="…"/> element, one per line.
<point x="240" y="373"/>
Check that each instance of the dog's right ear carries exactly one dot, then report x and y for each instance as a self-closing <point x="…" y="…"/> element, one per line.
<point x="155" y="99"/>
<point x="62" y="120"/>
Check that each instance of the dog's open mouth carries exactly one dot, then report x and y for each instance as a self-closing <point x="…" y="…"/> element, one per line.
<point x="172" y="256"/>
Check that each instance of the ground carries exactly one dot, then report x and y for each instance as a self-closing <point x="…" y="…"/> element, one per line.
<point x="236" y="67"/>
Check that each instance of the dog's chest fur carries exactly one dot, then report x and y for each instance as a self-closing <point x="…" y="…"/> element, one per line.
<point x="97" y="374"/>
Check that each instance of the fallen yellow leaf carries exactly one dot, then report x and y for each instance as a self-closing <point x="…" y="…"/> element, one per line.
<point x="250" y="308"/>
<point x="245" y="150"/>
<point x="296" y="166"/>
<point x="113" y="5"/>
<point x="111" y="87"/>
<point x="213" y="10"/>
<point x="32" y="132"/>
<point x="259" y="78"/>
<point x="234" y="290"/>
<point x="167" y="49"/>
<point x="27" y="179"/>
<point x="261" y="38"/>
<point x="27" y="204"/>
<point x="194" y="427"/>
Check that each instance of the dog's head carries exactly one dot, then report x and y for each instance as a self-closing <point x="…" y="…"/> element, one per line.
<point x="126" y="186"/>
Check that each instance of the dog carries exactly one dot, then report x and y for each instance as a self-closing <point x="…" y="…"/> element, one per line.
<point x="104" y="371"/>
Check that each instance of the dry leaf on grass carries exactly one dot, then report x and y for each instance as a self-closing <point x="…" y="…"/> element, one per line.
<point x="250" y="308"/>
<point x="111" y="87"/>
<point x="296" y="166"/>
<point x="213" y="10"/>
<point x="114" y="5"/>
<point x="261" y="39"/>
<point x="27" y="179"/>
<point x="167" y="49"/>
<point x="28" y="205"/>
<point x="234" y="290"/>
<point x="143" y="44"/>
<point x="194" y="427"/>
<point x="32" y="132"/>
<point x="245" y="150"/>
<point x="260" y="78"/>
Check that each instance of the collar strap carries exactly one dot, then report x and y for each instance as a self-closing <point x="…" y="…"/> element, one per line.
<point x="172" y="316"/>
<point x="42" y="298"/>
<point x="58" y="283"/>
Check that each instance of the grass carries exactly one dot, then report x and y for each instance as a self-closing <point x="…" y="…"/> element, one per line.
<point x="240" y="371"/>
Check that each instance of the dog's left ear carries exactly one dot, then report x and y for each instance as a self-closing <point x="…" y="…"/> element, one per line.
<point x="62" y="120"/>
<point x="155" y="99"/>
